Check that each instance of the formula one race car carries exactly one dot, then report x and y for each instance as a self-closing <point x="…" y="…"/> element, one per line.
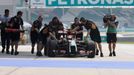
<point x="70" y="46"/>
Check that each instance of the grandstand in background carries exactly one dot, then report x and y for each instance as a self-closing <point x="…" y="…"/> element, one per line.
<point x="66" y="15"/>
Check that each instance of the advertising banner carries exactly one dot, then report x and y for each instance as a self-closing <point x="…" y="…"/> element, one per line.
<point x="82" y="3"/>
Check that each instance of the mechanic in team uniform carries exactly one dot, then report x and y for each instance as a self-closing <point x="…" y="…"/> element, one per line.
<point x="34" y="34"/>
<point x="94" y="33"/>
<point x="77" y="27"/>
<point x="54" y="26"/>
<point x="15" y="24"/>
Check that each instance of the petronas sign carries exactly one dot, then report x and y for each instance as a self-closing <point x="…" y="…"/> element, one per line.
<point x="83" y="3"/>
